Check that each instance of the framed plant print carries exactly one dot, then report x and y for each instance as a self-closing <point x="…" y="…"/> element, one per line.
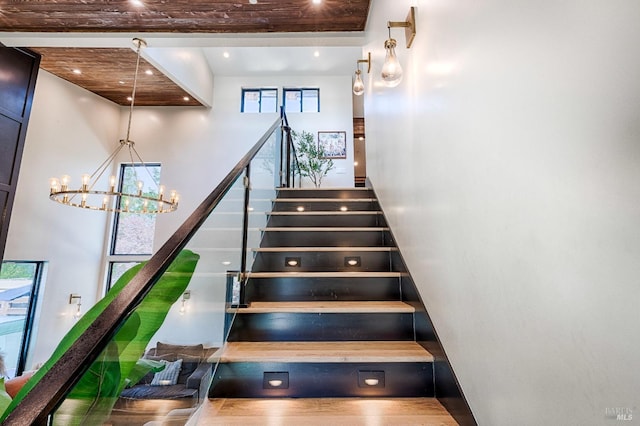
<point x="334" y="144"/>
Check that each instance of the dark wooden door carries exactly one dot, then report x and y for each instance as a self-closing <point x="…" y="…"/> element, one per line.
<point x="18" y="72"/>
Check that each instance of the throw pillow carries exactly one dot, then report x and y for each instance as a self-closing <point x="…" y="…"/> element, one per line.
<point x="168" y="376"/>
<point x="189" y="365"/>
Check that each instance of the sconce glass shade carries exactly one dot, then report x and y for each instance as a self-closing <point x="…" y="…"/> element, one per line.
<point x="358" y="85"/>
<point x="391" y="70"/>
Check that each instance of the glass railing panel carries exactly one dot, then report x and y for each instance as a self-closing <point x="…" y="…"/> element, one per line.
<point x="177" y="329"/>
<point x="263" y="178"/>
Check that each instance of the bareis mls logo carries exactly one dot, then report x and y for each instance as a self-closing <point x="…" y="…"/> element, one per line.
<point x="619" y="413"/>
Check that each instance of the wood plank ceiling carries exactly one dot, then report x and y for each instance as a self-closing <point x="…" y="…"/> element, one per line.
<point x="103" y="70"/>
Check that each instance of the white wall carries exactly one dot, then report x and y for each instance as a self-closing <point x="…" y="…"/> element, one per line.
<point x="508" y="164"/>
<point x="69" y="129"/>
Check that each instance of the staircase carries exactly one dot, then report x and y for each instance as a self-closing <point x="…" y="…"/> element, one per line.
<point x="330" y="310"/>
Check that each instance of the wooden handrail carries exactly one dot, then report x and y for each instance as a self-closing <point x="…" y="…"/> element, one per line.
<point x="52" y="388"/>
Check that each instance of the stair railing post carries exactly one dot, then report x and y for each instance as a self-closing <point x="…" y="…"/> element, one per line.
<point x="245" y="232"/>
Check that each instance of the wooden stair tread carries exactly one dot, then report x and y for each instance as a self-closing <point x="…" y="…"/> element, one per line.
<point x="323" y="411"/>
<point x="324" y="200"/>
<point x="328" y="307"/>
<point x="323" y="249"/>
<point x="381" y="351"/>
<point x="335" y="274"/>
<point x="327" y="213"/>
<point x="326" y="229"/>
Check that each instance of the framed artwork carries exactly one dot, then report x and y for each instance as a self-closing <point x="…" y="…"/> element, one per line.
<point x="333" y="143"/>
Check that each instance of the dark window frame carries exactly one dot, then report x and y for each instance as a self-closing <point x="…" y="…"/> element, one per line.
<point x="30" y="317"/>
<point x="260" y="91"/>
<point x="300" y="90"/>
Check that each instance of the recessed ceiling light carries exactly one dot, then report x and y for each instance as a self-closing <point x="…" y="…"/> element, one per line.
<point x="77" y="71"/>
<point x="186" y="99"/>
<point x="253" y="1"/>
<point x="148" y="72"/>
<point x="129" y="98"/>
<point x="225" y="54"/>
<point x="316" y="53"/>
<point x="136" y="3"/>
<point x="121" y="82"/>
<point x="317" y="1"/>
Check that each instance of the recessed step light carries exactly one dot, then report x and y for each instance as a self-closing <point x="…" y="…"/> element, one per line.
<point x="293" y="262"/>
<point x="352" y="261"/>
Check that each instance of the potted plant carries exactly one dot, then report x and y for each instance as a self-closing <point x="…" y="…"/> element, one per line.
<point x="312" y="161"/>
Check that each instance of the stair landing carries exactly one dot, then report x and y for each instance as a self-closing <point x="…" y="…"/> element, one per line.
<point x="323" y="411"/>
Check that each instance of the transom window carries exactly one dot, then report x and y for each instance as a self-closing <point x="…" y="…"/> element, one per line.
<point x="302" y="100"/>
<point x="263" y="100"/>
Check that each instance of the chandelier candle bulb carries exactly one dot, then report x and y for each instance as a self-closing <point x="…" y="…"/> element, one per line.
<point x="64" y="182"/>
<point x="161" y="192"/>
<point x="83" y="203"/>
<point x="54" y="184"/>
<point x="112" y="184"/>
<point x="85" y="182"/>
<point x="104" y="203"/>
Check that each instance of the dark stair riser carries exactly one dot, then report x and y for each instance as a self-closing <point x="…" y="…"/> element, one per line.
<point x="316" y="380"/>
<point x="327" y="193"/>
<point x="325" y="206"/>
<point x="353" y="220"/>
<point x="322" y="289"/>
<point x="323" y="261"/>
<point x="300" y="327"/>
<point x="325" y="239"/>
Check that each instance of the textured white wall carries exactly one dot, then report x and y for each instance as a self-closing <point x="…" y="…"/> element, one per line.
<point x="508" y="162"/>
<point x="70" y="129"/>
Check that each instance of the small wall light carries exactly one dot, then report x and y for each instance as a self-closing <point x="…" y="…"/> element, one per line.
<point x="183" y="303"/>
<point x="77" y="299"/>
<point x="392" y="70"/>
<point x="358" y="84"/>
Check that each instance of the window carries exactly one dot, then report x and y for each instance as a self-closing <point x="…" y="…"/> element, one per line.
<point x="132" y="235"/>
<point x="259" y="100"/>
<point x="133" y="232"/>
<point x="302" y="100"/>
<point x="116" y="269"/>
<point x="19" y="287"/>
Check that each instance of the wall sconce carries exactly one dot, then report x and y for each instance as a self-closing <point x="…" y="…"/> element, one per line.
<point x="358" y="85"/>
<point x="392" y="70"/>
<point x="183" y="303"/>
<point x="77" y="299"/>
